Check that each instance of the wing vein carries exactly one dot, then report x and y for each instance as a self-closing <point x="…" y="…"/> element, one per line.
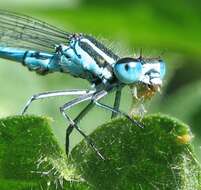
<point x="23" y="31"/>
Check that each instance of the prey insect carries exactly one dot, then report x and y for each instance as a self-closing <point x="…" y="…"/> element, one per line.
<point x="46" y="49"/>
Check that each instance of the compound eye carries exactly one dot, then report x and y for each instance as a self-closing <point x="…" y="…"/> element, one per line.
<point x="128" y="70"/>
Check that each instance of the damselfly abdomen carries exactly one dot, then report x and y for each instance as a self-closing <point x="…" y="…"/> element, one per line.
<point x="46" y="49"/>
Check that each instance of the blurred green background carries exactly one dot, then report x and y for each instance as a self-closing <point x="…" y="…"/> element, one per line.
<point x="170" y="29"/>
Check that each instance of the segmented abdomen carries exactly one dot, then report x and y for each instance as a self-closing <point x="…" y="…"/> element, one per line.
<point x="42" y="63"/>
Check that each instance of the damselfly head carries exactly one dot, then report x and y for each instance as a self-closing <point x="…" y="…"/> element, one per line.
<point x="128" y="70"/>
<point x="151" y="79"/>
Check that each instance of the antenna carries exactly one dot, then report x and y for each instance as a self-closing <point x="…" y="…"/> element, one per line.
<point x="140" y="54"/>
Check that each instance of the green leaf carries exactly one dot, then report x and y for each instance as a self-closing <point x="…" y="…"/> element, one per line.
<point x="156" y="157"/>
<point x="30" y="157"/>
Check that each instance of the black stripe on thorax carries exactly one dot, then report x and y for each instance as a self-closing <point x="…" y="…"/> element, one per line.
<point x="99" y="45"/>
<point x="100" y="61"/>
<point x="92" y="53"/>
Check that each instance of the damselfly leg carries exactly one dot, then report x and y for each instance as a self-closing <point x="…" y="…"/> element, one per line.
<point x="45" y="95"/>
<point x="135" y="122"/>
<point x="73" y="123"/>
<point x="70" y="128"/>
<point x="117" y="102"/>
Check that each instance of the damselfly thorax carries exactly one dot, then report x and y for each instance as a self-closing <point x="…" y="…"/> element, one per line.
<point x="90" y="57"/>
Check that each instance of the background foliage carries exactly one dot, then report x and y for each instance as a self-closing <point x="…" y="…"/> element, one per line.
<point x="167" y="28"/>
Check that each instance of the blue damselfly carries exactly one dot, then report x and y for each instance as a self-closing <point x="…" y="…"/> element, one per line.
<point x="45" y="49"/>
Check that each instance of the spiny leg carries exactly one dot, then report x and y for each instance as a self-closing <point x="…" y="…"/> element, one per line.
<point x="70" y="128"/>
<point x="73" y="124"/>
<point x="117" y="102"/>
<point x="118" y="112"/>
<point x="54" y="94"/>
<point x="89" y="141"/>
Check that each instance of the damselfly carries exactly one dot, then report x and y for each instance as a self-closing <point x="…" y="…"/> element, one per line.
<point x="45" y="49"/>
